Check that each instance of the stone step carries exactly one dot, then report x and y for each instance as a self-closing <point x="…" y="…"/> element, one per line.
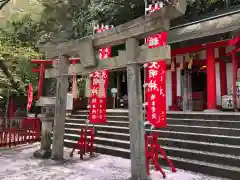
<point x="109" y="123"/>
<point x="205" y="115"/>
<point x="171" y="151"/>
<point x="185" y="144"/>
<point x="173" y="127"/>
<point x="201" y="146"/>
<point x="204" y="122"/>
<point x="109" y="117"/>
<point x="204" y="129"/>
<point x="178" y="114"/>
<point x="164" y="133"/>
<point x="179" y="143"/>
<point x="109" y="112"/>
<point x="176" y="121"/>
<point x="76" y="128"/>
<point x="182" y="163"/>
<point x="211" y="138"/>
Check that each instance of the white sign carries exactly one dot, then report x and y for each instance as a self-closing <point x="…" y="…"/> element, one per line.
<point x="69" y="103"/>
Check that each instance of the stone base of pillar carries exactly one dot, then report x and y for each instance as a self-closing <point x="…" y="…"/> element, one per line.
<point x="42" y="154"/>
<point x="45" y="151"/>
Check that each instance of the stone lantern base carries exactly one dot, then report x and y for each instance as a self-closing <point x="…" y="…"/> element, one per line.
<point x="45" y="151"/>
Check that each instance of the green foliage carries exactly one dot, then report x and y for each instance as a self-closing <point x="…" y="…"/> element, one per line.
<point x="16" y="60"/>
<point x="3" y="3"/>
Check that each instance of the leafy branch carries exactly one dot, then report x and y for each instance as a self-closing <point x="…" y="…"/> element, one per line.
<point x="3" y="3"/>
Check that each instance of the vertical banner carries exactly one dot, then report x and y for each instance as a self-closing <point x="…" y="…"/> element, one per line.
<point x="162" y="98"/>
<point x="156" y="93"/>
<point x="155" y="80"/>
<point x="159" y="39"/>
<point x="30" y="97"/>
<point x="98" y="97"/>
<point x="99" y="85"/>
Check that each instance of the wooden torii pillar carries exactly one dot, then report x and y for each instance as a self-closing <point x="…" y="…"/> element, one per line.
<point x="132" y="59"/>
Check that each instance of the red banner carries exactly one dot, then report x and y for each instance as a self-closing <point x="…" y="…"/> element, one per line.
<point x="99" y="85"/>
<point x="159" y="39"/>
<point x="156" y="93"/>
<point x="30" y="97"/>
<point x="104" y="53"/>
<point x="156" y="79"/>
<point x="98" y="98"/>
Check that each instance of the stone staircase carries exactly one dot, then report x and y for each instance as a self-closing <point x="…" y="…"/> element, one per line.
<point x="199" y="142"/>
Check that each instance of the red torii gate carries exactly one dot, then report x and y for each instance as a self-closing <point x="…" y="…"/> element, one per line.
<point x="41" y="71"/>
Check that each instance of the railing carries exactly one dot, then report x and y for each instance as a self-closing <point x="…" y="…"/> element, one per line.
<point x="27" y="131"/>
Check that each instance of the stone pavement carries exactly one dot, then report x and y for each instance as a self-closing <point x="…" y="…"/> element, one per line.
<point x="19" y="164"/>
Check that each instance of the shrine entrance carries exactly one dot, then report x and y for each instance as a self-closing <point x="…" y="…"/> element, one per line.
<point x="199" y="87"/>
<point x="118" y="80"/>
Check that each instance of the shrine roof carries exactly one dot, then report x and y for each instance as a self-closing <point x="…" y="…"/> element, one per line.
<point x="206" y="26"/>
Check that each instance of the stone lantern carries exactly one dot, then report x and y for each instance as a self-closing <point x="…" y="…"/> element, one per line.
<point x="47" y="105"/>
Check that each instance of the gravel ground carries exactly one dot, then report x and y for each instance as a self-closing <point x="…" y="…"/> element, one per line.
<point x="18" y="164"/>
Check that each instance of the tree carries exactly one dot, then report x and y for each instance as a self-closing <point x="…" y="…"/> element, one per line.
<point x="17" y="67"/>
<point x="3" y="3"/>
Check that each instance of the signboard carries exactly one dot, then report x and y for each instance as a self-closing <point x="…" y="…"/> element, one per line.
<point x="98" y="97"/>
<point x="155" y="94"/>
<point x="30" y="97"/>
<point x="69" y="103"/>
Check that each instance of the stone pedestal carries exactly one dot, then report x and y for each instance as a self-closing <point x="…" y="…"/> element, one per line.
<point x="46" y="117"/>
<point x="46" y="141"/>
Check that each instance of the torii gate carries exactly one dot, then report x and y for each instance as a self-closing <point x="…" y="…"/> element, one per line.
<point x="132" y="59"/>
<point x="41" y="71"/>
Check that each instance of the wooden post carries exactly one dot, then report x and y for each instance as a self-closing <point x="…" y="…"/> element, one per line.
<point x="211" y="79"/>
<point x="60" y="108"/>
<point x="136" y="126"/>
<point x="41" y="80"/>
<point x="234" y="79"/>
<point x="119" y="89"/>
<point x="189" y="89"/>
<point x="185" y="90"/>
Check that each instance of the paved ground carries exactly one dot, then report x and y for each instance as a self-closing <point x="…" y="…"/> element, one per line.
<point x="18" y="164"/>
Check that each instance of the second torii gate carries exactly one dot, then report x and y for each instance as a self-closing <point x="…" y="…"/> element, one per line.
<point x="132" y="59"/>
